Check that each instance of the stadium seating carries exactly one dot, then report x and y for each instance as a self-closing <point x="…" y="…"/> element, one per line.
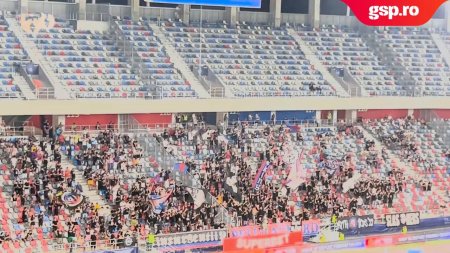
<point x="89" y="63"/>
<point x="156" y="61"/>
<point x="344" y="48"/>
<point x="415" y="49"/>
<point x="339" y="145"/>
<point x="250" y="60"/>
<point x="11" y="53"/>
<point x="422" y="151"/>
<point x="12" y="208"/>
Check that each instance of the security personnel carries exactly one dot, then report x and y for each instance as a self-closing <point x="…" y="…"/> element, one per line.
<point x="404" y="230"/>
<point x="334" y="219"/>
<point x="151" y="239"/>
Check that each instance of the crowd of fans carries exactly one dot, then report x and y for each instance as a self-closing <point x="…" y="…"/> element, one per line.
<point x="230" y="171"/>
<point x="38" y="181"/>
<point x="225" y="162"/>
<point x="401" y="136"/>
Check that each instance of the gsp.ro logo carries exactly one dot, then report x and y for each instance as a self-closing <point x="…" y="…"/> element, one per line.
<point x="375" y="12"/>
<point x="394" y="13"/>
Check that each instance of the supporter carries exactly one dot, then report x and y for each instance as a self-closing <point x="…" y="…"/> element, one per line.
<point x="226" y="165"/>
<point x="322" y="193"/>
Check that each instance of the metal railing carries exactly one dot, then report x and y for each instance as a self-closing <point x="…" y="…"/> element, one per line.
<point x="45" y="93"/>
<point x="112" y="95"/>
<point x="289" y="122"/>
<point x="17" y="131"/>
<point x="11" y="95"/>
<point x="80" y="128"/>
<point x="290" y="94"/>
<point x="131" y="127"/>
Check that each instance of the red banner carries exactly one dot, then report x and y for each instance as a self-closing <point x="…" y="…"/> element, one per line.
<point x="394" y="13"/>
<point x="248" y="251"/>
<point x="381" y="241"/>
<point x="262" y="241"/>
<point x="290" y="249"/>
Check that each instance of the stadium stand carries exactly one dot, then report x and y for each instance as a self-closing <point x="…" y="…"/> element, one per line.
<point x="83" y="187"/>
<point x="414" y="49"/>
<point x="11" y="55"/>
<point x="344" y="48"/>
<point x="250" y="60"/>
<point x="331" y="158"/>
<point x="417" y="144"/>
<point x="90" y="63"/>
<point x="156" y="64"/>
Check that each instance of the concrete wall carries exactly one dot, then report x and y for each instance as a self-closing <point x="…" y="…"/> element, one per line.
<point x="128" y="106"/>
<point x="97" y="26"/>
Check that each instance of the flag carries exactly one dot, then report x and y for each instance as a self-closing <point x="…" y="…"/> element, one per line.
<point x="331" y="165"/>
<point x="159" y="202"/>
<point x="297" y="173"/>
<point x="294" y="128"/>
<point x="257" y="182"/>
<point x="198" y="195"/>
<point x="350" y="184"/>
<point x="181" y="167"/>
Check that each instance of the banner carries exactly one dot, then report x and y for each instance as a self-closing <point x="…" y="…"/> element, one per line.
<point x="230" y="186"/>
<point x="402" y="219"/>
<point x="350" y="184"/>
<point x="311" y="227"/>
<point x="127" y="250"/>
<point x="430" y="223"/>
<point x="255" y="230"/>
<point x="331" y="165"/>
<point x="159" y="203"/>
<point x="262" y="241"/>
<point x="181" y="167"/>
<point x="339" y="245"/>
<point x="184" y="240"/>
<point x="257" y="182"/>
<point x="72" y="200"/>
<point x="358" y="223"/>
<point x="198" y="195"/>
<point x="297" y="173"/>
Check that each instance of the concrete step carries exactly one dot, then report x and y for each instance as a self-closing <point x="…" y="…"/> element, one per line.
<point x="24" y="87"/>
<point x="340" y="91"/>
<point x="35" y="55"/>
<point x="92" y="195"/>
<point x="180" y="64"/>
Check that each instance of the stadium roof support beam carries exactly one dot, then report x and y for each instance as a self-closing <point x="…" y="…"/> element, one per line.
<point x="23" y="6"/>
<point x="185" y="13"/>
<point x="82" y="9"/>
<point x="232" y="15"/>
<point x="135" y="10"/>
<point x="314" y="13"/>
<point x="275" y="13"/>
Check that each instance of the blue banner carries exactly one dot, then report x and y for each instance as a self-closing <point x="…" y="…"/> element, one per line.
<point x="225" y="3"/>
<point x="126" y="250"/>
<point x="424" y="224"/>
<point x="430" y="223"/>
